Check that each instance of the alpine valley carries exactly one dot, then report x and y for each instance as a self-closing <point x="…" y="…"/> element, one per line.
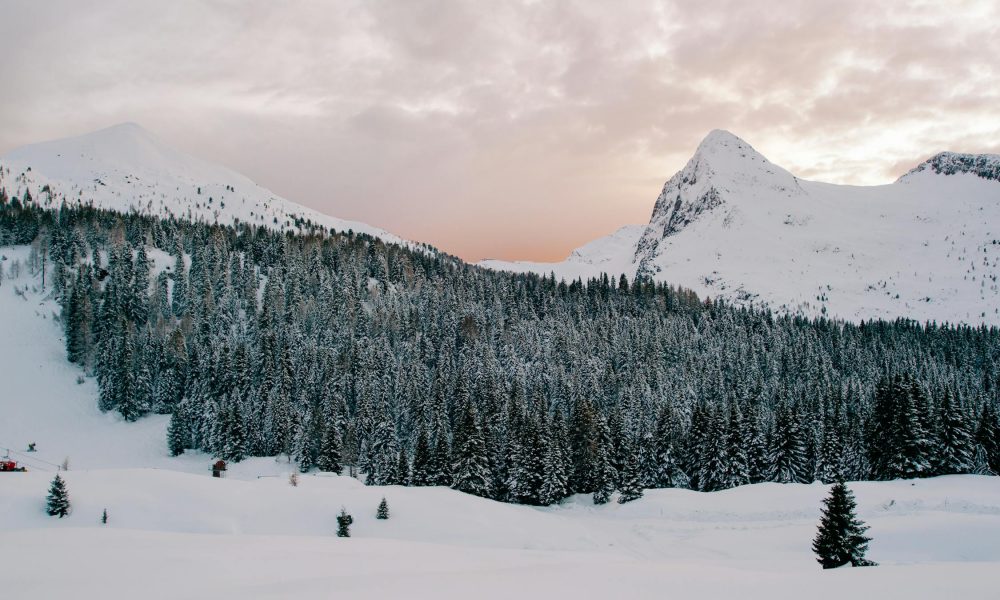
<point x="208" y="391"/>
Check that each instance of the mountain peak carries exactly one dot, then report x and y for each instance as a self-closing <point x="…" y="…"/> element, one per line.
<point x="721" y="139"/>
<point x="724" y="173"/>
<point x="727" y="152"/>
<point x="125" y="147"/>
<point x="128" y="130"/>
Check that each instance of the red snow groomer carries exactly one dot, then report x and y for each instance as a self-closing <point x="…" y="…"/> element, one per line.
<point x="10" y="466"/>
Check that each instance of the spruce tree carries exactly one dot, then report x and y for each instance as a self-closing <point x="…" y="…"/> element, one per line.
<point x="841" y="538"/>
<point x="668" y="473"/>
<point x="737" y="467"/>
<point x="330" y="459"/>
<point x="788" y="454"/>
<point x="910" y="452"/>
<point x="555" y="485"/>
<point x="471" y="470"/>
<point x="631" y="482"/>
<point x="440" y="464"/>
<point x="604" y="469"/>
<point x="176" y="433"/>
<point x="955" y="447"/>
<point x="383" y="510"/>
<point x="831" y="457"/>
<point x="583" y="441"/>
<point x="403" y="474"/>
<point x="57" y="503"/>
<point x="988" y="436"/>
<point x="421" y="474"/>
<point x="527" y="472"/>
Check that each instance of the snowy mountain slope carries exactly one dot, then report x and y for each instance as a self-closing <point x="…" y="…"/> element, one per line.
<point x="126" y="168"/>
<point x="733" y="225"/>
<point x="609" y="254"/>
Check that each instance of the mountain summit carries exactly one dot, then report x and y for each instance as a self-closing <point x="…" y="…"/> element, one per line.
<point x="724" y="172"/>
<point x="733" y="225"/>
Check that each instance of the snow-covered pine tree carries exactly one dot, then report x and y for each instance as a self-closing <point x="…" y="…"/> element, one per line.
<point x="527" y="471"/>
<point x="604" y="469"/>
<point x="630" y="487"/>
<point x="330" y="459"/>
<point x="403" y="469"/>
<point x="384" y="454"/>
<point x="471" y="469"/>
<point x="737" y="468"/>
<point x="955" y="447"/>
<point x="583" y="441"/>
<point x="830" y="467"/>
<point x="440" y="465"/>
<point x="668" y="470"/>
<point x="422" y="460"/>
<point x="757" y="451"/>
<point x="988" y="436"/>
<point x="57" y="502"/>
<point x="841" y="538"/>
<point x="177" y="433"/>
<point x="788" y="453"/>
<point x="714" y="457"/>
<point x="911" y="450"/>
<point x="555" y="485"/>
<point x="383" y="510"/>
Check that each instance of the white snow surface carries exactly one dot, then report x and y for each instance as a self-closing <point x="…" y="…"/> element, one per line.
<point x="733" y="225"/>
<point x="610" y="254"/>
<point x="174" y="532"/>
<point x="126" y="168"/>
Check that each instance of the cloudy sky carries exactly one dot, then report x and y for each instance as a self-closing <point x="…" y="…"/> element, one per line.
<point x="515" y="130"/>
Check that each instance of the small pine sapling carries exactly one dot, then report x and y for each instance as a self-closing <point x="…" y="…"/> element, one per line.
<point x="383" y="510"/>
<point x="104" y="517"/>
<point x="344" y="521"/>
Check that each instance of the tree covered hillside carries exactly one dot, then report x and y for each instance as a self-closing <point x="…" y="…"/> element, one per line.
<point x="418" y="369"/>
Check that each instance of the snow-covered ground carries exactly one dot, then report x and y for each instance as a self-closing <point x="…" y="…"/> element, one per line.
<point x="175" y="532"/>
<point x="733" y="225"/>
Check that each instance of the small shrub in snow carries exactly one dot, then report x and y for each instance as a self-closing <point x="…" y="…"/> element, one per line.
<point x="293" y="480"/>
<point x="344" y="521"/>
<point x="383" y="510"/>
<point x="104" y="517"/>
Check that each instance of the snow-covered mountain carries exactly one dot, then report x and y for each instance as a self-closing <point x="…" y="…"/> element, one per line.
<point x="731" y="224"/>
<point x="127" y="168"/>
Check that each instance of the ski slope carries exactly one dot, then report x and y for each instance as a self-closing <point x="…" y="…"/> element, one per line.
<point x="733" y="225"/>
<point x="176" y="532"/>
